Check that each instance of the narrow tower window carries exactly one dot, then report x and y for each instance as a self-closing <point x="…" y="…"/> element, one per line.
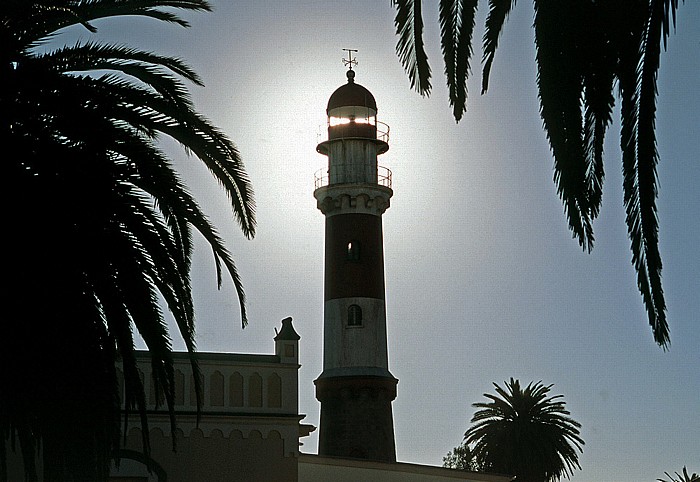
<point x="353" y="253"/>
<point x="354" y="315"/>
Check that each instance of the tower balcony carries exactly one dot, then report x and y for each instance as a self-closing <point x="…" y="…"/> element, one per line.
<point x="322" y="178"/>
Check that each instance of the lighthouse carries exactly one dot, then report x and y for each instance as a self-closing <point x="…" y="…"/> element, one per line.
<point x="355" y="388"/>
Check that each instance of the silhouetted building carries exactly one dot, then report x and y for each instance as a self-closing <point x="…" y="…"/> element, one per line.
<point x="355" y="388"/>
<point x="249" y="426"/>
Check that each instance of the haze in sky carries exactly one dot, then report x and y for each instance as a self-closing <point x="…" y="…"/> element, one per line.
<point x="483" y="279"/>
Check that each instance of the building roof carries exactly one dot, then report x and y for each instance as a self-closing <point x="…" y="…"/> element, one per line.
<point x="203" y="356"/>
<point x="317" y="468"/>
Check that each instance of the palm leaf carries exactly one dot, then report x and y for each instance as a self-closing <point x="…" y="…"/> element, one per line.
<point x="456" y="29"/>
<point x="598" y="66"/>
<point x="498" y="13"/>
<point x="410" y="48"/>
<point x="33" y="22"/>
<point x="644" y="228"/>
<point x="560" y="89"/>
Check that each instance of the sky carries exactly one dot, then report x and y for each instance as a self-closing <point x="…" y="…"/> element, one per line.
<point x="483" y="279"/>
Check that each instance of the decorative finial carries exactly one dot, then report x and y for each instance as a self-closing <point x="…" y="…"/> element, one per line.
<point x="350" y="62"/>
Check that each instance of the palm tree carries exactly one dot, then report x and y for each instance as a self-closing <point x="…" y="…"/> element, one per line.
<point x="681" y="478"/>
<point x="584" y="49"/>
<point x="526" y="433"/>
<point x="98" y="227"/>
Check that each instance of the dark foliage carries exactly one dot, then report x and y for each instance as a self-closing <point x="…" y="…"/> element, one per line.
<point x="685" y="477"/>
<point x="99" y="228"/>
<point x="526" y="433"/>
<point x="460" y="458"/>
<point x="584" y="49"/>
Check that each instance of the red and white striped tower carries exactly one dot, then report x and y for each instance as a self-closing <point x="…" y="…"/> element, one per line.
<point x="356" y="388"/>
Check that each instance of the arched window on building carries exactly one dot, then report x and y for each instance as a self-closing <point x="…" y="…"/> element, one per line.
<point x="156" y="393"/>
<point x="274" y="391"/>
<point x="179" y="388"/>
<point x="142" y="377"/>
<point x="216" y="389"/>
<point x="120" y="384"/>
<point x="235" y="390"/>
<point x="354" y="315"/>
<point x="193" y="392"/>
<point x="255" y="391"/>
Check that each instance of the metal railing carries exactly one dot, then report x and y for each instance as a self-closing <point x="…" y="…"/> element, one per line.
<point x="322" y="178"/>
<point x="384" y="174"/>
<point x="383" y="133"/>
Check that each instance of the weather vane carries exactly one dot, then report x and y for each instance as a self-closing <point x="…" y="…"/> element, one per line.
<point x="350" y="61"/>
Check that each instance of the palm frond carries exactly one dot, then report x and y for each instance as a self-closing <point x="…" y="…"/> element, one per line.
<point x="456" y="29"/>
<point x="410" y="48"/>
<point x="644" y="229"/>
<point x="598" y="65"/>
<point x="93" y="56"/>
<point x="496" y="19"/>
<point x="685" y="477"/>
<point x="669" y="9"/>
<point x="448" y="42"/>
<point x="463" y="56"/>
<point x="35" y="21"/>
<point x="560" y="89"/>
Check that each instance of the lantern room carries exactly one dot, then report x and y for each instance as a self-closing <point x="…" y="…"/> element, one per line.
<point x="352" y="113"/>
<point x="355" y="138"/>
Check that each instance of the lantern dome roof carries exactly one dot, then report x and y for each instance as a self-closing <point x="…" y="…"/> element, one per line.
<point x="351" y="94"/>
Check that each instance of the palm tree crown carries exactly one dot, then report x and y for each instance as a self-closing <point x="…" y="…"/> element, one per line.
<point x="100" y="227"/>
<point x="584" y="49"/>
<point x="685" y="477"/>
<point x="525" y="432"/>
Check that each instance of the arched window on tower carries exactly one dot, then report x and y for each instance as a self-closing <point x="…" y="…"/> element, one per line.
<point x="354" y="315"/>
<point x="353" y="253"/>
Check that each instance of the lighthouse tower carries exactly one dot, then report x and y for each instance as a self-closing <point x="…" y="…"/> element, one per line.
<point x="356" y="388"/>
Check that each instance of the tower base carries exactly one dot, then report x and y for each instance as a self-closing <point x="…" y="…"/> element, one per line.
<point x="356" y="417"/>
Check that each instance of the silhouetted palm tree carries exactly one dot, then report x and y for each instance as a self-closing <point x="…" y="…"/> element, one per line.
<point x="584" y="49"/>
<point x="525" y="433"/>
<point x="681" y="478"/>
<point x="98" y="227"/>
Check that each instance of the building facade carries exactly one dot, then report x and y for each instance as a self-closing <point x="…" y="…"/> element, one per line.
<point x="249" y="425"/>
